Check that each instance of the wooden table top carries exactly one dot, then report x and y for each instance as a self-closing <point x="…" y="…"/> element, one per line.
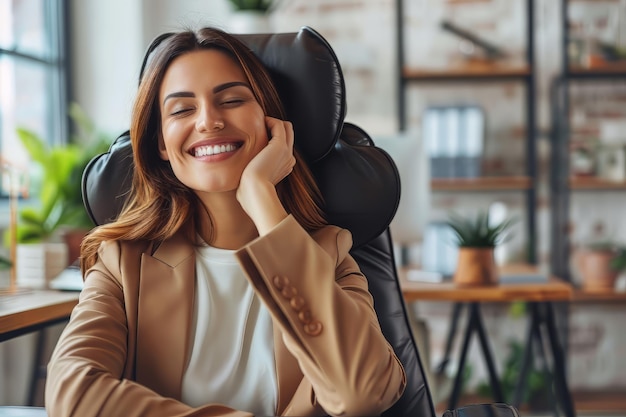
<point x="33" y="307"/>
<point x="609" y="295"/>
<point x="551" y="290"/>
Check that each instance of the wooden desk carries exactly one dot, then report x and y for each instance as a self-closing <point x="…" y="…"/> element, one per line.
<point x="29" y="311"/>
<point x="33" y="310"/>
<point x="553" y="290"/>
<point x="539" y="297"/>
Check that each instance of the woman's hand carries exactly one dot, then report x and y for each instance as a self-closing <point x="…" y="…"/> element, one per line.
<point x="257" y="188"/>
<point x="276" y="160"/>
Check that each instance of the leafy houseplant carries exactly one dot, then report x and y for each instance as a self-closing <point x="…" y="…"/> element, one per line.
<point x="250" y="16"/>
<point x="61" y="167"/>
<point x="257" y="5"/>
<point x="478" y="232"/>
<point x="477" y="239"/>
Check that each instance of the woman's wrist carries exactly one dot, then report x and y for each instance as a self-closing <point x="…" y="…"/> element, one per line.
<point x="260" y="201"/>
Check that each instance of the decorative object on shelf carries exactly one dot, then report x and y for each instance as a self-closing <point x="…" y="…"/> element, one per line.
<point x="472" y="46"/>
<point x="611" y="154"/>
<point x="454" y="136"/>
<point x="250" y="16"/>
<point x="59" y="208"/>
<point x="477" y="238"/>
<point x="582" y="160"/>
<point x="600" y="263"/>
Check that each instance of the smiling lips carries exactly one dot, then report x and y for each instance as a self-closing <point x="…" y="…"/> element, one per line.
<point x="215" y="149"/>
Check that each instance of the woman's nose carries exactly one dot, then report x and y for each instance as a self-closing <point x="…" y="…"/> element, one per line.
<point x="209" y="119"/>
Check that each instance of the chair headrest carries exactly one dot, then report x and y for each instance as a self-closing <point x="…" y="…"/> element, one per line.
<point x="308" y="77"/>
<point x="359" y="182"/>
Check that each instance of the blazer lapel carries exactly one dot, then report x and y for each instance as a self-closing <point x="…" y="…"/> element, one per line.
<point x="165" y="312"/>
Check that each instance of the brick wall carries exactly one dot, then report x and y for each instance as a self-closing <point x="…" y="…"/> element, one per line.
<point x="362" y="33"/>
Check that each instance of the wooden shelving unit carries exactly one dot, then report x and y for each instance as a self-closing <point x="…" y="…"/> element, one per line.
<point x="617" y="69"/>
<point x="463" y="72"/>
<point x="595" y="184"/>
<point x="515" y="183"/>
<point x="483" y="71"/>
<point x="562" y="182"/>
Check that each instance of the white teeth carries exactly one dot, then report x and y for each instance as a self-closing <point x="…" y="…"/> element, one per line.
<point x="213" y="149"/>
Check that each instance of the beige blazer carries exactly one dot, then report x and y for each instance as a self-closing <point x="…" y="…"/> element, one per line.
<point x="125" y="348"/>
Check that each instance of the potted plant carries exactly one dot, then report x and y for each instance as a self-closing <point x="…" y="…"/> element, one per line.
<point x="477" y="239"/>
<point x="59" y="209"/>
<point x="257" y="5"/>
<point x="600" y="263"/>
<point x="250" y="16"/>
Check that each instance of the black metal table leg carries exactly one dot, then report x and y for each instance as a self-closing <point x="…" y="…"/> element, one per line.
<point x="560" y="378"/>
<point x="545" y="367"/>
<point x="520" y="388"/>
<point x="487" y="355"/>
<point x="475" y="323"/>
<point x="456" y="312"/>
<point x="458" y="380"/>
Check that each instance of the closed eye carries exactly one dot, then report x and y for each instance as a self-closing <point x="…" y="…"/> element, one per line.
<point x="233" y="102"/>
<point x="179" y="112"/>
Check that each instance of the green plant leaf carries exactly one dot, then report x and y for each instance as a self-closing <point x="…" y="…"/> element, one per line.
<point x="259" y="5"/>
<point x="36" y="148"/>
<point x="59" y="188"/>
<point x="5" y="263"/>
<point x="476" y="232"/>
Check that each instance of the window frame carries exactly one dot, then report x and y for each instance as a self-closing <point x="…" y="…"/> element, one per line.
<point x="56" y="64"/>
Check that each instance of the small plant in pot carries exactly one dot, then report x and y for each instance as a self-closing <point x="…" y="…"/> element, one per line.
<point x="255" y="5"/>
<point x="250" y="16"/>
<point x="477" y="238"/>
<point x="57" y="211"/>
<point x="600" y="263"/>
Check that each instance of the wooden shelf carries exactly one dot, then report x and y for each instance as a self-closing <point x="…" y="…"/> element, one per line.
<point x="595" y="184"/>
<point x="581" y="295"/>
<point x="617" y="69"/>
<point x="473" y="71"/>
<point x="481" y="184"/>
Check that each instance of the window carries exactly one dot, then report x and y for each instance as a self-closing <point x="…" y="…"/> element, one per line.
<point x="33" y="74"/>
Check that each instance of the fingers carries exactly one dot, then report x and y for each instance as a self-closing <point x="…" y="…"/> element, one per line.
<point x="280" y="129"/>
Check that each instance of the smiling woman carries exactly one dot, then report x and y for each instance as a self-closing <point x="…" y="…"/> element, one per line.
<point x="220" y="288"/>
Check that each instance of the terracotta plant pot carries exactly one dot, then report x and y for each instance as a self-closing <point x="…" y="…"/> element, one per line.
<point x="476" y="266"/>
<point x="596" y="271"/>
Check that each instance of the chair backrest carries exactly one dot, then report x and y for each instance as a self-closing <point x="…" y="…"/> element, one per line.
<point x="359" y="182"/>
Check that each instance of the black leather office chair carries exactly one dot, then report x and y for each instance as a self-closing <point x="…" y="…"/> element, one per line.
<point x="359" y="182"/>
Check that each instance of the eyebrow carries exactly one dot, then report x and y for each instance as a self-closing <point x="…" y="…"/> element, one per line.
<point x="215" y="90"/>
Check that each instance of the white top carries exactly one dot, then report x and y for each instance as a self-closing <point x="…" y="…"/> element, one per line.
<point x="232" y="357"/>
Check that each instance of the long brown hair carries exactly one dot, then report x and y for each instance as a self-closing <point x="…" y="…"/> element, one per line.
<point x="159" y="205"/>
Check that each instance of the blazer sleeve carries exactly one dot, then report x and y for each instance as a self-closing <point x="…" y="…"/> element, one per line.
<point x="86" y="372"/>
<point x="317" y="294"/>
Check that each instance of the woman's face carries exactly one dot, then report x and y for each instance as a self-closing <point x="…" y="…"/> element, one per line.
<point x="212" y="125"/>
